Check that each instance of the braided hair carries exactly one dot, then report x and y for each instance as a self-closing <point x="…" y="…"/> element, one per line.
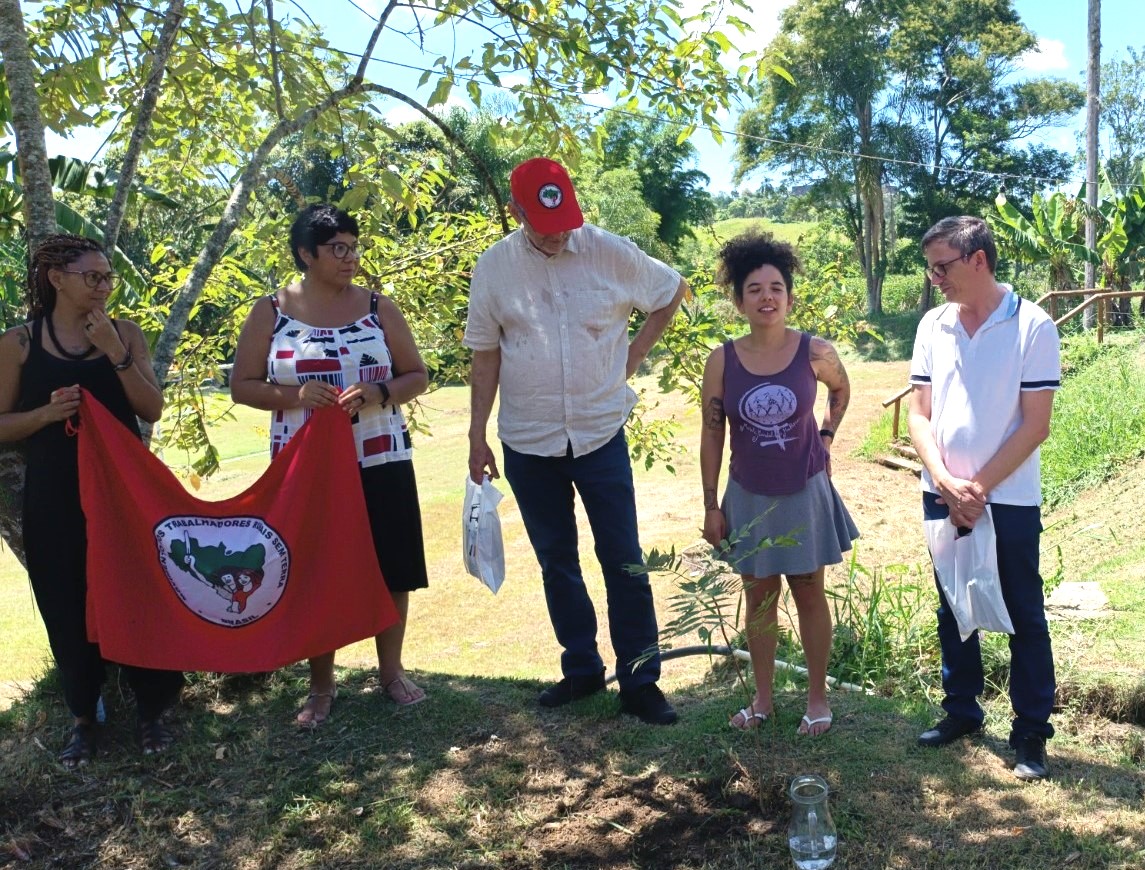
<point x="55" y="252"/>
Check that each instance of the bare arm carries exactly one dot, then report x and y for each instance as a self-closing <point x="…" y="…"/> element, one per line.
<point x="829" y="370"/>
<point x="712" y="436"/>
<point x="138" y="379"/>
<point x="249" y="385"/>
<point x="410" y="375"/>
<point x="964" y="498"/>
<point x="1037" y="407"/>
<point x="16" y="425"/>
<point x="654" y="325"/>
<point x="484" y="376"/>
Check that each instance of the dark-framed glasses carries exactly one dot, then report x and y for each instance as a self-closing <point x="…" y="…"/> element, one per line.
<point x="93" y="278"/>
<point x="341" y="250"/>
<point x="938" y="270"/>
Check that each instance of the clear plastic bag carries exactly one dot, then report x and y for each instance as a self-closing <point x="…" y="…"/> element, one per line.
<point x="967" y="569"/>
<point x="482" y="550"/>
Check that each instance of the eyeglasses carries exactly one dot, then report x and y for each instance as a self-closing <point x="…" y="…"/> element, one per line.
<point x="938" y="270"/>
<point x="93" y="279"/>
<point x="341" y="250"/>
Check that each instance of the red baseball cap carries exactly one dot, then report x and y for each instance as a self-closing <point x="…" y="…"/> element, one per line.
<point x="543" y="190"/>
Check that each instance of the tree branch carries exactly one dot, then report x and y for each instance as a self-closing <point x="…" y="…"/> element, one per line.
<point x="457" y="141"/>
<point x="172" y="19"/>
<point x="275" y="73"/>
<point x="241" y="192"/>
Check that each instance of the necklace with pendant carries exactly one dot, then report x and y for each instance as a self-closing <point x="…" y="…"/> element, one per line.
<point x="64" y="352"/>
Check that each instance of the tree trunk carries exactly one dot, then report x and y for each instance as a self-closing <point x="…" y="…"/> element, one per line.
<point x="1092" y="118"/>
<point x="32" y="152"/>
<point x="40" y="220"/>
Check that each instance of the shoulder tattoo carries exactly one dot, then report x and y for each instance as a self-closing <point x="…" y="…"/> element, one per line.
<point x="714" y="414"/>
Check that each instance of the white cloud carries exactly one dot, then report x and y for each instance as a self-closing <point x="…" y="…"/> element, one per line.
<point x="404" y="114"/>
<point x="1047" y="56"/>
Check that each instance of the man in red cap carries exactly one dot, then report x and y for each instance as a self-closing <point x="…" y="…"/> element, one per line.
<point x="549" y="307"/>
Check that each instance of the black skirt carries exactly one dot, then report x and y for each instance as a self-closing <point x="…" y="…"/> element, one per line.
<point x="395" y="521"/>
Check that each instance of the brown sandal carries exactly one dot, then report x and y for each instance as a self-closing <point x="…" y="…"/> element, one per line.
<point x="309" y="716"/>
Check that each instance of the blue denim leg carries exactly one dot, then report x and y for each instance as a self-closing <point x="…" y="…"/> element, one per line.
<point x="604" y="480"/>
<point x="1032" y="682"/>
<point x="962" y="678"/>
<point x="543" y="488"/>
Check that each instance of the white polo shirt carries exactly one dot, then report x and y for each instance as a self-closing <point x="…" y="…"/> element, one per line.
<point x="562" y="326"/>
<point x="976" y="384"/>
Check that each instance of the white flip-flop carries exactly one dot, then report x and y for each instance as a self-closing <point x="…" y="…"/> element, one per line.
<point x="749" y="715"/>
<point x="808" y="724"/>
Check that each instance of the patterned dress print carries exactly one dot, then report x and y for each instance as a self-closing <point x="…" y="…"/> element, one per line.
<point x="340" y="356"/>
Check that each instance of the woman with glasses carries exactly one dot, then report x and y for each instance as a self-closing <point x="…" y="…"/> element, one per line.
<point x="323" y="340"/>
<point x="70" y="343"/>
<point x="780" y="515"/>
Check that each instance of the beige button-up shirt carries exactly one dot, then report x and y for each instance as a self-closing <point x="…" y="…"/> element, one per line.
<point x="562" y="326"/>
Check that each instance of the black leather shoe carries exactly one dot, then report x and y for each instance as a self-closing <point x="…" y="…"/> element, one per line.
<point x="648" y="704"/>
<point x="1031" y="757"/>
<point x="572" y="689"/>
<point x="947" y="731"/>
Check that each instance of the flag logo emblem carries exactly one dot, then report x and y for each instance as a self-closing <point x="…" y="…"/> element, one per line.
<point x="230" y="571"/>
<point x="550" y="196"/>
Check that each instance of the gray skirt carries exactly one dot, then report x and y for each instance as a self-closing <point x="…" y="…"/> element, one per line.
<point x="786" y="534"/>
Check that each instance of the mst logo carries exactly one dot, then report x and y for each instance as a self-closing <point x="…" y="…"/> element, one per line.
<point x="231" y="571"/>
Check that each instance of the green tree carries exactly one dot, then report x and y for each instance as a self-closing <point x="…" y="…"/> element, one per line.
<point x="830" y="120"/>
<point x="1123" y="115"/>
<point x="237" y="84"/>
<point x="954" y="65"/>
<point x="660" y="158"/>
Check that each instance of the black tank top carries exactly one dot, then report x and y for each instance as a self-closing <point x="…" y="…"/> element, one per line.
<point x="51" y="452"/>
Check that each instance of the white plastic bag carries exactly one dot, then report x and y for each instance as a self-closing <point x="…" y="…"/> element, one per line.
<point x="967" y="569"/>
<point x="481" y="544"/>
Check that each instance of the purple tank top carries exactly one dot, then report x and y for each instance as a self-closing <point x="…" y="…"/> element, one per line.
<point x="775" y="444"/>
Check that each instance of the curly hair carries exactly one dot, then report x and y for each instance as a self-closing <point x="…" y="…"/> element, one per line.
<point x="55" y="252"/>
<point x="745" y="253"/>
<point x="316" y="225"/>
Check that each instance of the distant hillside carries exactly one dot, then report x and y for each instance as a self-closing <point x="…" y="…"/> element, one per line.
<point x="786" y="232"/>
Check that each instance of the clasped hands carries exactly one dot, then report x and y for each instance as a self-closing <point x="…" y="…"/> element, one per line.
<point x="319" y="394"/>
<point x="965" y="498"/>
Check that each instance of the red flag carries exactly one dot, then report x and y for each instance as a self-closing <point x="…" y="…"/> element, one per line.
<point x="284" y="571"/>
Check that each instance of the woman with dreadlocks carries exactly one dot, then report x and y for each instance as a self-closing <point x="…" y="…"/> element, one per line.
<point x="69" y="343"/>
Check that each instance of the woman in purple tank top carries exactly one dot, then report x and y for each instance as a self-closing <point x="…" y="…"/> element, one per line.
<point x="780" y="515"/>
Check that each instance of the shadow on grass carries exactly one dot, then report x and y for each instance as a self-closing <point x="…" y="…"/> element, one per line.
<point x="479" y="776"/>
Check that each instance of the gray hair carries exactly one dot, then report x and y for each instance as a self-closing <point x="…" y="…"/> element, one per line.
<point x="966" y="234"/>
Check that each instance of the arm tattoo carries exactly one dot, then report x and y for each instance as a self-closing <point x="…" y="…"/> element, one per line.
<point x="23" y="339"/>
<point x="711" y="503"/>
<point x="836" y="408"/>
<point x="714" y="418"/>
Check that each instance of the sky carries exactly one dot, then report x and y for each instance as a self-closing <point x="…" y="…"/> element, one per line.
<point x="1060" y="26"/>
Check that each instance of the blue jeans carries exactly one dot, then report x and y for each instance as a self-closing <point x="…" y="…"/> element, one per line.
<point x="544" y="487"/>
<point x="1018" y="530"/>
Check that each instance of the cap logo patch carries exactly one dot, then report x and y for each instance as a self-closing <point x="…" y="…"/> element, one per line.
<point x="550" y="196"/>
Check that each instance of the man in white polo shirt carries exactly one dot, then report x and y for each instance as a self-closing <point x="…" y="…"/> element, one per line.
<point x="984" y="372"/>
<point x="548" y="320"/>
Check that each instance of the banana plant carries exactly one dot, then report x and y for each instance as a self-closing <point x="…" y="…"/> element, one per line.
<point x="1055" y="236"/>
<point x="69" y="175"/>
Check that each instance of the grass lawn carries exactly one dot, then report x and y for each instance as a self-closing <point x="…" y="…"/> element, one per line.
<point x="480" y="777"/>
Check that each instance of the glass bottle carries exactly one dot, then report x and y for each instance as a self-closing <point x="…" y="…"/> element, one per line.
<point x="811" y="834"/>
